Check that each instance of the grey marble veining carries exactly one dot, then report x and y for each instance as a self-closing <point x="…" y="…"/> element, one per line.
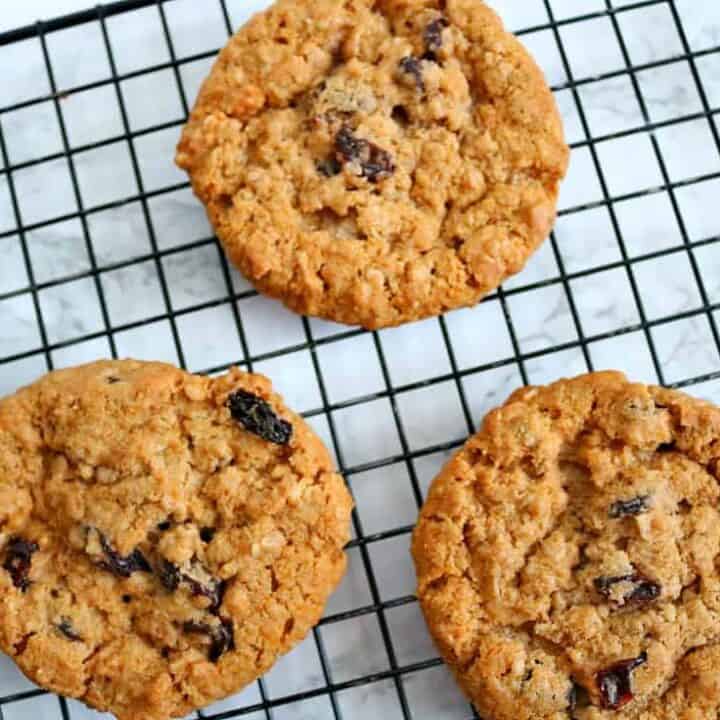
<point x="550" y="315"/>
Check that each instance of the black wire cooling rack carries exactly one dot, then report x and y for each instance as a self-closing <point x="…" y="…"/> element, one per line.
<point x="685" y="250"/>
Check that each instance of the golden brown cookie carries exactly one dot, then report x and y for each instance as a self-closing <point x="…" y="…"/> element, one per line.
<point x="567" y="557"/>
<point x="163" y="536"/>
<point x="375" y="162"/>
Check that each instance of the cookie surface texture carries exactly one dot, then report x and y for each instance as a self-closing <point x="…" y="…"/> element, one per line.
<point x="375" y="162"/>
<point x="163" y="536"/>
<point x="567" y="557"/>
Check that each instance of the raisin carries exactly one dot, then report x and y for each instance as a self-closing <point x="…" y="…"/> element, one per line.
<point x="433" y="37"/>
<point x="572" y="696"/>
<point x="329" y="168"/>
<point x="615" y="683"/>
<point x="191" y="626"/>
<point x="213" y="592"/>
<point x="223" y="640"/>
<point x="258" y="417"/>
<point x="375" y="163"/>
<point x="18" y="560"/>
<point x="643" y="591"/>
<point x="221" y="637"/>
<point x="65" y="626"/>
<point x="169" y="575"/>
<point x="400" y="115"/>
<point x="629" y="508"/>
<point x="164" y="526"/>
<point x="172" y="578"/>
<point x="411" y="66"/>
<point x="207" y="534"/>
<point x="122" y="566"/>
<point x="577" y="696"/>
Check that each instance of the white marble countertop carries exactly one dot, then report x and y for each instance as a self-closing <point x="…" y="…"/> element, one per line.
<point x="648" y="317"/>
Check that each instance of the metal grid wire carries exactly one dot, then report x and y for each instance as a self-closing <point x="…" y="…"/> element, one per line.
<point x="315" y="341"/>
